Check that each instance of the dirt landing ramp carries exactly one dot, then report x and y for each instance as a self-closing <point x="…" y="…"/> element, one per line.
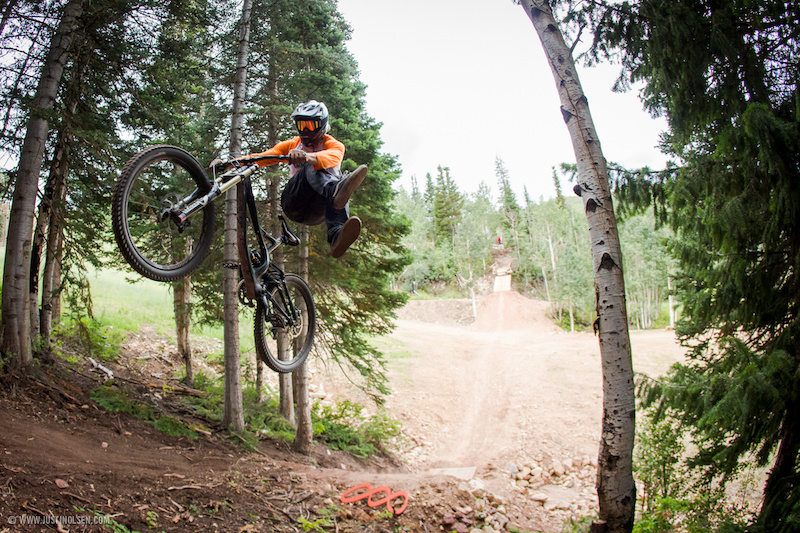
<point x="509" y="310"/>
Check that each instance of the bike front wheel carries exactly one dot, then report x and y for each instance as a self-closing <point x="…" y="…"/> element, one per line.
<point x="151" y="241"/>
<point x="282" y="346"/>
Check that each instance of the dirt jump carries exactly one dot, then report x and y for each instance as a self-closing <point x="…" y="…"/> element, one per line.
<point x="497" y="395"/>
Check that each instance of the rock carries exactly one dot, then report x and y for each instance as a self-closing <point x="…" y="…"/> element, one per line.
<point x="540" y="497"/>
<point x="568" y="465"/>
<point x="511" y="468"/>
<point x="499" y="519"/>
<point x="495" y="499"/>
<point x="560" y="506"/>
<point x="558" y="468"/>
<point x="522" y="483"/>
<point x="477" y="486"/>
<point x="523" y="473"/>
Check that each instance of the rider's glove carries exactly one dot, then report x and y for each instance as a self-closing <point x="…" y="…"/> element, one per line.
<point x="219" y="165"/>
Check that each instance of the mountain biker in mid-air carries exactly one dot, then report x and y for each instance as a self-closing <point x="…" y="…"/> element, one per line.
<point x="316" y="190"/>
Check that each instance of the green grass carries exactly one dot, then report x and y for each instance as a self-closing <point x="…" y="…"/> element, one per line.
<point x="116" y="400"/>
<point x="126" y="301"/>
<point x="124" y="305"/>
<point x="398" y="355"/>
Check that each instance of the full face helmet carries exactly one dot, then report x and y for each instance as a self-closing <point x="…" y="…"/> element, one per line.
<point x="311" y="119"/>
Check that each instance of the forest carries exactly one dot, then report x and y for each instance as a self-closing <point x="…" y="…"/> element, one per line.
<point x="454" y="236"/>
<point x="86" y="85"/>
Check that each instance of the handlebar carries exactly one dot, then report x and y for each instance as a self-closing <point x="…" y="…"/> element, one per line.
<point x="224" y="166"/>
<point x="256" y="159"/>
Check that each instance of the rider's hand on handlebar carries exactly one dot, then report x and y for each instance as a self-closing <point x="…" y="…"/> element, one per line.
<point x="297" y="157"/>
<point x="219" y="165"/>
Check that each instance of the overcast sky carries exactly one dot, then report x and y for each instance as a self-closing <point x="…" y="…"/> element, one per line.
<point x="458" y="84"/>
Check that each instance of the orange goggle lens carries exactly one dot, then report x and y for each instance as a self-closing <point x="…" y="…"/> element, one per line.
<point x="307" y="125"/>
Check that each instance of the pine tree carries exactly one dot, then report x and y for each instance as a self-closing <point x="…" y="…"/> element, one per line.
<point x="447" y="204"/>
<point x="300" y="53"/>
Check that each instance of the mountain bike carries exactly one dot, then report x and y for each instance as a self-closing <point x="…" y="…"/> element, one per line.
<point x="163" y="217"/>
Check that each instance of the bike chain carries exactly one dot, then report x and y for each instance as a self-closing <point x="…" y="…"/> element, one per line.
<point x="231" y="265"/>
<point x="243" y="299"/>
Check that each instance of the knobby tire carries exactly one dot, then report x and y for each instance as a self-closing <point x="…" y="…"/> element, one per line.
<point x="156" y="249"/>
<point x="300" y="338"/>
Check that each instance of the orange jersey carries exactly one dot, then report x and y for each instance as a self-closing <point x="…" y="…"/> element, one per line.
<point x="329" y="156"/>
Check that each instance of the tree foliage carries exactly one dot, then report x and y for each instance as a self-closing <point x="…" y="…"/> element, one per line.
<point x="160" y="72"/>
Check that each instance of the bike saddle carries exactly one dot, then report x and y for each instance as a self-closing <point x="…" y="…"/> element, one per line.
<point x="288" y="236"/>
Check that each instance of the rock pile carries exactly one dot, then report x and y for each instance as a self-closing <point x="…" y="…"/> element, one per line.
<point x="559" y="485"/>
<point x="486" y="513"/>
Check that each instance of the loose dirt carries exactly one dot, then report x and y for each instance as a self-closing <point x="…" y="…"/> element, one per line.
<point x="487" y="393"/>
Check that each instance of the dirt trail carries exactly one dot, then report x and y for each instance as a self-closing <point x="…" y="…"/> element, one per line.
<point x="509" y="386"/>
<point x="504" y="389"/>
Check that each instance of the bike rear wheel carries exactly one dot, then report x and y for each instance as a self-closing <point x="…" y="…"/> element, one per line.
<point x="153" y="244"/>
<point x="284" y="348"/>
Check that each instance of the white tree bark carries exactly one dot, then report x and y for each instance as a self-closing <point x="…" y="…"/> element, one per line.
<point x="615" y="486"/>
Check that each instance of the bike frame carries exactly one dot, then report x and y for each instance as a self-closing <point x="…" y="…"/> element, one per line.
<point x="254" y="263"/>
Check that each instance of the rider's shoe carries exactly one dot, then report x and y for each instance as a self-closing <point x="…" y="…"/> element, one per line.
<point x="347" y="185"/>
<point x="347" y="235"/>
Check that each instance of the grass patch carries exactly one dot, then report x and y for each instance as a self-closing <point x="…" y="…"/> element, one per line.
<point x="344" y="426"/>
<point x="260" y="418"/>
<point x="124" y="301"/>
<point x="90" y="337"/>
<point x="115" y="399"/>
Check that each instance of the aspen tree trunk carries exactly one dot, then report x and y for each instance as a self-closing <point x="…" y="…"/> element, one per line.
<point x="233" y="410"/>
<point x="16" y="327"/>
<point x="305" y="432"/>
<point x="285" y="395"/>
<point x="259" y="381"/>
<point x="56" y="180"/>
<point x="615" y="486"/>
<point x="51" y="277"/>
<point x="182" y="295"/>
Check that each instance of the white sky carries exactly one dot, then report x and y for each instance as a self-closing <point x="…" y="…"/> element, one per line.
<point x="458" y="83"/>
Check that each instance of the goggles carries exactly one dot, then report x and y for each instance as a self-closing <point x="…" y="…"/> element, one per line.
<point x="307" y="125"/>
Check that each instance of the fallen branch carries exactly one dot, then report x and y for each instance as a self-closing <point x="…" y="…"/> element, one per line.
<point x="186" y="487"/>
<point x="75" y="496"/>
<point x="197" y="487"/>
<point x="282" y="511"/>
<point x="177" y="389"/>
<point x="48" y="515"/>
<point x="102" y="368"/>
